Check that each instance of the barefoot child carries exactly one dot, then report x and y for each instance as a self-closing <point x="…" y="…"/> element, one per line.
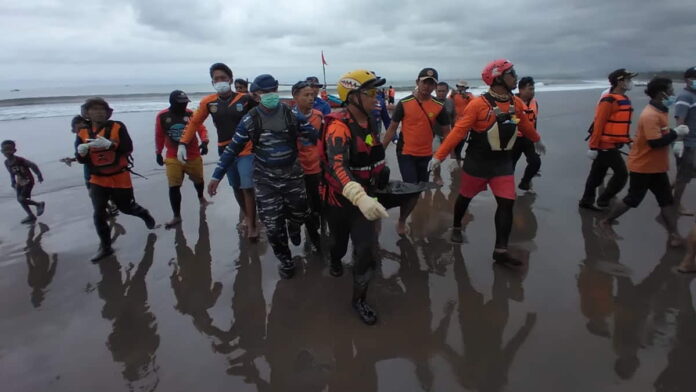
<point x="22" y="180"/>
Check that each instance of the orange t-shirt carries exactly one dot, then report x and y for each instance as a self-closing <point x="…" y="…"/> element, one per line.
<point x="478" y="117"/>
<point x="461" y="102"/>
<point x="652" y="125"/>
<point x="417" y="119"/>
<point x="309" y="155"/>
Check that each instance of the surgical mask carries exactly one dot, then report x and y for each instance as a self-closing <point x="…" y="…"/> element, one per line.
<point x="693" y="84"/>
<point x="222" y="87"/>
<point x="669" y="100"/>
<point x="629" y="85"/>
<point x="270" y="100"/>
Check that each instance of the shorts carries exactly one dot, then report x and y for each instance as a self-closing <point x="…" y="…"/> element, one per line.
<point x="413" y="169"/>
<point x="686" y="165"/>
<point x="641" y="183"/>
<point x="501" y="186"/>
<point x="176" y="170"/>
<point x="24" y="191"/>
<point x="240" y="175"/>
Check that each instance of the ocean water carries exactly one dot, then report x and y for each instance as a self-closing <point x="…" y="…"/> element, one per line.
<point x="57" y="102"/>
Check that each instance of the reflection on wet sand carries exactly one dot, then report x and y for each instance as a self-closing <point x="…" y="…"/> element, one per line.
<point x="41" y="267"/>
<point x="134" y="338"/>
<point x="191" y="278"/>
<point x="485" y="361"/>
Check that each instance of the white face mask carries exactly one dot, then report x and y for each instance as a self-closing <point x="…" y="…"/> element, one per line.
<point x="629" y="85"/>
<point x="222" y="87"/>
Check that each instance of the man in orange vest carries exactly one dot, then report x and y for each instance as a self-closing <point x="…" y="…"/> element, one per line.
<point x="106" y="147"/>
<point x="609" y="132"/>
<point x="461" y="98"/>
<point x="525" y="89"/>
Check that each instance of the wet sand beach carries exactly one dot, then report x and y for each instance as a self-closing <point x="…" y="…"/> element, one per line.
<point x="199" y="308"/>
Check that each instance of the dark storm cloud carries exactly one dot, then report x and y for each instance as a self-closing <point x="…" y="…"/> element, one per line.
<point x="168" y="39"/>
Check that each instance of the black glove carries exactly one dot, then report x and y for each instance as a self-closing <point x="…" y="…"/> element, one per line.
<point x="160" y="160"/>
<point x="204" y="148"/>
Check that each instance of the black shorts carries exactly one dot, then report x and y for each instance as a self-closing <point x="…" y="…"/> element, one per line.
<point x="413" y="169"/>
<point x="641" y="183"/>
<point x="24" y="191"/>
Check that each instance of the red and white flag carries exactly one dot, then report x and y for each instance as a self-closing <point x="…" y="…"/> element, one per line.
<point x="323" y="60"/>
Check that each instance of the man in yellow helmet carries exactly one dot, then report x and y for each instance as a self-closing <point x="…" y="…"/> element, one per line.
<point x="355" y="169"/>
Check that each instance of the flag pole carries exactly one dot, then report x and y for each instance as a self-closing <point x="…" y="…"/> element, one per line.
<point x="323" y="67"/>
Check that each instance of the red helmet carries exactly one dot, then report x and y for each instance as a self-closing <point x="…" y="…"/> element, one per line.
<point x="494" y="69"/>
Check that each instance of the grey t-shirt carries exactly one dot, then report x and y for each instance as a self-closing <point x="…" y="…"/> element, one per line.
<point x="449" y="109"/>
<point x="685" y="108"/>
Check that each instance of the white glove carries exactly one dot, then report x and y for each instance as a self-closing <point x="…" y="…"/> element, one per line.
<point x="433" y="164"/>
<point x="540" y="148"/>
<point x="100" y="142"/>
<point x="592" y="154"/>
<point x="370" y="208"/>
<point x="83" y="149"/>
<point x="681" y="130"/>
<point x="678" y="149"/>
<point x="181" y="153"/>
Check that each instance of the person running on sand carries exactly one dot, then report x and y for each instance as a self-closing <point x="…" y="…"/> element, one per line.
<point x="169" y="125"/>
<point x="416" y="114"/>
<point x="274" y="132"/>
<point x="648" y="161"/>
<point x="227" y="109"/>
<point x="22" y="180"/>
<point x="608" y="133"/>
<point x="106" y="148"/>
<point x="490" y="122"/>
<point x="685" y="114"/>
<point x="525" y="89"/>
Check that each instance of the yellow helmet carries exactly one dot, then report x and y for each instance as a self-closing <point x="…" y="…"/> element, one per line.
<point x="357" y="80"/>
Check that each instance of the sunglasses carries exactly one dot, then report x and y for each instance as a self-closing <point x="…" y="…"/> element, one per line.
<point x="511" y="72"/>
<point x="370" y="93"/>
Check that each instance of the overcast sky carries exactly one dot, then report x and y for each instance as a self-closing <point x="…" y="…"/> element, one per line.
<point x="166" y="41"/>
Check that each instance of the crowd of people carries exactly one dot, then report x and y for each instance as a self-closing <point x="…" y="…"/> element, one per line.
<point x="301" y="164"/>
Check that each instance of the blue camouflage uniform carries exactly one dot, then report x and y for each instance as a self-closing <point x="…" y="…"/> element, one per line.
<point x="278" y="176"/>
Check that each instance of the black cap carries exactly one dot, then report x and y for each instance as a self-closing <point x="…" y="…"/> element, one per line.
<point x="620" y="74"/>
<point x="314" y="81"/>
<point x="690" y="73"/>
<point x="428" y="73"/>
<point x="299" y="86"/>
<point x="178" y="96"/>
<point x="264" y="82"/>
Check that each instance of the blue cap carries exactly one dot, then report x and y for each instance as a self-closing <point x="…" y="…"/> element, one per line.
<point x="264" y="82"/>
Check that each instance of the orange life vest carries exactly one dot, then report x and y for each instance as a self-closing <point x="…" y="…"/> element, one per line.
<point x="105" y="162"/>
<point x="617" y="129"/>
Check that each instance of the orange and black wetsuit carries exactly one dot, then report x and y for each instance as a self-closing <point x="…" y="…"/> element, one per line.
<point x="609" y="132"/>
<point x="353" y="153"/>
<point x="491" y="127"/>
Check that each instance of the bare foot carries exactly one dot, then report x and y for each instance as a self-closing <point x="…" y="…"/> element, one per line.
<point x="685" y="211"/>
<point x="676" y="241"/>
<point x="687" y="268"/>
<point x="401" y="228"/>
<point x="438" y="180"/>
<point x="204" y="202"/>
<point x="172" y="222"/>
<point x="253" y="233"/>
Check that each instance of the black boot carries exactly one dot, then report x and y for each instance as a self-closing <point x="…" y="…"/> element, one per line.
<point x="505" y="258"/>
<point x="105" y="250"/>
<point x="336" y="268"/>
<point x="286" y="269"/>
<point x="365" y="312"/>
<point x="149" y="221"/>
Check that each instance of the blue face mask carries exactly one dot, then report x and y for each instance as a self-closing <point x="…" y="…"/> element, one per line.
<point x="270" y="100"/>
<point x="669" y="101"/>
